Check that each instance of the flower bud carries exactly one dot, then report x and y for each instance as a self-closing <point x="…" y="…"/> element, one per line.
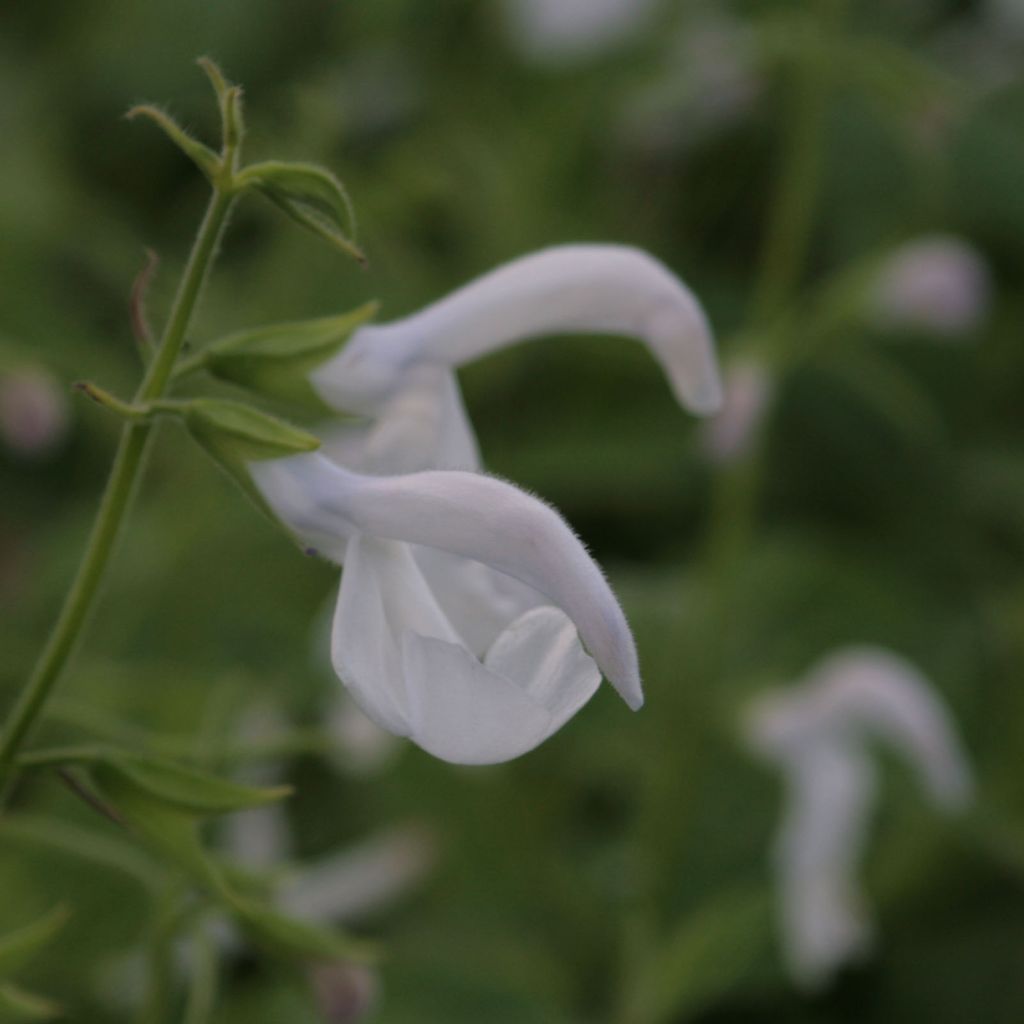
<point x="729" y="434"/>
<point x="33" y="412"/>
<point x="938" y="283"/>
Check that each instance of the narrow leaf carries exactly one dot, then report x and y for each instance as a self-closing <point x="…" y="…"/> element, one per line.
<point x="20" y="947"/>
<point x="715" y="952"/>
<point x="310" y="195"/>
<point x="18" y="1005"/>
<point x="170" y="832"/>
<point x="300" y="938"/>
<point x="189" y="789"/>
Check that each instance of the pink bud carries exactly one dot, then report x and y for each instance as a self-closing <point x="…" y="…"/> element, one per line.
<point x="937" y="283"/>
<point x="748" y="389"/>
<point x="33" y="412"/>
<point x="345" y="993"/>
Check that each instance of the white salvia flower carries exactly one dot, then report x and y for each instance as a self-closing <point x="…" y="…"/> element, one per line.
<point x="400" y="374"/>
<point x="33" y="412"/>
<point x="551" y="31"/>
<point x="364" y="748"/>
<point x="818" y="734"/>
<point x="460" y="604"/>
<point x="748" y="391"/>
<point x="708" y="80"/>
<point x="360" y="879"/>
<point x="259" y="837"/>
<point x="936" y="283"/>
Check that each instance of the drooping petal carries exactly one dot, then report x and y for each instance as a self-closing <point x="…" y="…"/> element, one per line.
<point x="492" y="522"/>
<point x="876" y="691"/>
<point x="604" y="289"/>
<point x="382" y="596"/>
<point x="534" y="679"/>
<point x="470" y="515"/>
<point x="400" y="658"/>
<point x="818" y="850"/>
<point x="462" y="712"/>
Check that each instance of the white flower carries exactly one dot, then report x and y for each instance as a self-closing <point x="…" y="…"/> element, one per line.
<point x="818" y="735"/>
<point x="400" y="374"/>
<point x="936" y="283"/>
<point x="555" y="30"/>
<point x="731" y="432"/>
<point x="460" y="604"/>
<point x="360" y="879"/>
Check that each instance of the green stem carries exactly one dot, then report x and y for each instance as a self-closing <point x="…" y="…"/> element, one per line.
<point x="116" y="499"/>
<point x="791" y="212"/>
<point x="784" y="255"/>
<point x="202" y="995"/>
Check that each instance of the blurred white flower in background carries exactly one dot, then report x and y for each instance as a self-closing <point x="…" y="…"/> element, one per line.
<point x="259" y="837"/>
<point x="936" y="283"/>
<point x="709" y="79"/>
<point x="553" y="31"/>
<point x="33" y="412"/>
<point x="818" y="734"/>
<point x="748" y="389"/>
<point x="361" y="878"/>
<point x="362" y="747"/>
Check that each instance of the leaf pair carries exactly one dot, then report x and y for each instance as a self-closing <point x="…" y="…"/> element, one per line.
<point x="162" y="803"/>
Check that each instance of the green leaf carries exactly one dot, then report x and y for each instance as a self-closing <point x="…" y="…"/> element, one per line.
<point x="310" y="195"/>
<point x="201" y="155"/>
<point x="713" y="953"/>
<point x="20" y="947"/>
<point x="301" y="939"/>
<point x="173" y="834"/>
<point x="277" y="359"/>
<point x="18" y="1005"/>
<point x="188" y="789"/>
<point x="170" y="832"/>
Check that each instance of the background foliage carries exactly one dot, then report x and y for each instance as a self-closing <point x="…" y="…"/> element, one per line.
<point x="619" y="872"/>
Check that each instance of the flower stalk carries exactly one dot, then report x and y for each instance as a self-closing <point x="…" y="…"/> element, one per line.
<point x="117" y="497"/>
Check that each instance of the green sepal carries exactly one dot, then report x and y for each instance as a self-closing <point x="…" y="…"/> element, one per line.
<point x="310" y="195"/>
<point x="277" y="360"/>
<point x="18" y="1005"/>
<point x="235" y="433"/>
<point x="18" y="948"/>
<point x="201" y="155"/>
<point x="188" y="789"/>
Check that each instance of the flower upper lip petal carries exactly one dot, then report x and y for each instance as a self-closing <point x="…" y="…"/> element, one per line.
<point x="606" y="289"/>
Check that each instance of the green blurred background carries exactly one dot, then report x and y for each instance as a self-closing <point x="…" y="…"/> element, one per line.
<point x="883" y="502"/>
